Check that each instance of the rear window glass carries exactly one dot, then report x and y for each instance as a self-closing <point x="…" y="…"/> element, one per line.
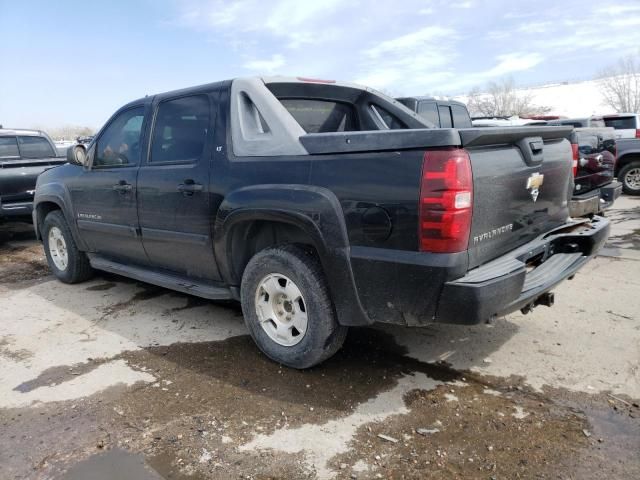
<point x="621" y="123"/>
<point x="35" y="147"/>
<point x="9" y="147"/>
<point x="429" y="111"/>
<point x="390" y="120"/>
<point x="321" y="116"/>
<point x="461" y="117"/>
<point x="445" y="116"/>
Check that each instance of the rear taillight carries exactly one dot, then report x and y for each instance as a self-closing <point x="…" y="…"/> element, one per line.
<point x="446" y="196"/>
<point x="637" y="133"/>
<point x="575" y="155"/>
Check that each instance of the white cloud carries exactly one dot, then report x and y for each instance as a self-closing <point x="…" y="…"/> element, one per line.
<point x="535" y="27"/>
<point x="290" y="19"/>
<point x="506" y="64"/>
<point x="411" y="41"/>
<point x="617" y="9"/>
<point x="411" y="61"/>
<point x="514" y="62"/>
<point x="266" y="66"/>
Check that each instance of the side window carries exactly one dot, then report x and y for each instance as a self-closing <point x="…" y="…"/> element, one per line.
<point x="429" y="111"/>
<point x="445" y="116"/>
<point x="9" y="147"/>
<point x="35" y="147"/>
<point x="460" y="116"/>
<point x="180" y="130"/>
<point x="119" y="144"/>
<point x="389" y="119"/>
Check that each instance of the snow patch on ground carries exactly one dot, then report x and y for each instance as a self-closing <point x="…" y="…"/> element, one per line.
<point x="320" y="443"/>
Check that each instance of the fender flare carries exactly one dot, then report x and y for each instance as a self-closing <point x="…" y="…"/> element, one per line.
<point x="314" y="210"/>
<point x="57" y="194"/>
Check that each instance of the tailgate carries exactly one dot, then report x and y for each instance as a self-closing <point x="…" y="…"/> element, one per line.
<point x="596" y="158"/>
<point x="522" y="181"/>
<point x="18" y="177"/>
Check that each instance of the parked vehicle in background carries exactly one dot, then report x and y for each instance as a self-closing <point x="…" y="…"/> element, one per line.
<point x="318" y="205"/>
<point x="505" y="122"/>
<point x="585" y="122"/>
<point x="594" y="162"/>
<point x="627" y="126"/>
<point x="24" y="154"/>
<point x="441" y="113"/>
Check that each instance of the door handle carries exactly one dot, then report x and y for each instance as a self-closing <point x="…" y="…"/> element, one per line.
<point x="189" y="187"/>
<point x="122" y="187"/>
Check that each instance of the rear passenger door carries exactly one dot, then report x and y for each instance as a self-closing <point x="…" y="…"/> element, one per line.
<point x="173" y="187"/>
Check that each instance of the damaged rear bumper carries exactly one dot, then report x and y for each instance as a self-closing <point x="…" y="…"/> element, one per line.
<point x="521" y="278"/>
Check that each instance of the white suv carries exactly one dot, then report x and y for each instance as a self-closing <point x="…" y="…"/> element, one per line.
<point x="627" y="125"/>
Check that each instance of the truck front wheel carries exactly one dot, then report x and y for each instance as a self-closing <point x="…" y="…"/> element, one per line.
<point x="629" y="175"/>
<point x="287" y="307"/>
<point x="67" y="263"/>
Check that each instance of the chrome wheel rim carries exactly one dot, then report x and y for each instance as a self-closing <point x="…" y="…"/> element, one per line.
<point x="58" y="248"/>
<point x="281" y="309"/>
<point x="632" y="178"/>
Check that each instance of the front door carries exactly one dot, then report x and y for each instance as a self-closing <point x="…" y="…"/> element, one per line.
<point x="173" y="188"/>
<point x="104" y="195"/>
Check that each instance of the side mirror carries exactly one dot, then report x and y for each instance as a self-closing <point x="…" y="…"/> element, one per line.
<point x="77" y="155"/>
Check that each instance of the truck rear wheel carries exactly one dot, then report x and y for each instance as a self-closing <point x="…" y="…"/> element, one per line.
<point x="287" y="307"/>
<point x="629" y="175"/>
<point x="67" y="263"/>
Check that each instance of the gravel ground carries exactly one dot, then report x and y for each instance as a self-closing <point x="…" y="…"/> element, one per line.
<point x="117" y="379"/>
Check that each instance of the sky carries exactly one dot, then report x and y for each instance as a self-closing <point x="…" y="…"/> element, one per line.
<point x="75" y="62"/>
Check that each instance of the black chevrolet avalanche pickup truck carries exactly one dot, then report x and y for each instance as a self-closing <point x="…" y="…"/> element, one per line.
<point x="318" y="205"/>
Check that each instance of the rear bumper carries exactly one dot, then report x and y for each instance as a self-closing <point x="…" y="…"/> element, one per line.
<point x="595" y="201"/>
<point x="610" y="193"/>
<point x="416" y="288"/>
<point x="518" y="279"/>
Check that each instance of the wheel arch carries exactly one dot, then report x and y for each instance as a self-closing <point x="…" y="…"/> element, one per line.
<point x="51" y="198"/>
<point x="253" y="218"/>
<point x="625" y="159"/>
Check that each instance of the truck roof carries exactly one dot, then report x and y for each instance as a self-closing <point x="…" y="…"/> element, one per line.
<point x="432" y="99"/>
<point x="260" y="123"/>
<point x="21" y="131"/>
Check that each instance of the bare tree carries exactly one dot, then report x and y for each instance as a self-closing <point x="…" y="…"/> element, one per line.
<point x="620" y="84"/>
<point x="502" y="99"/>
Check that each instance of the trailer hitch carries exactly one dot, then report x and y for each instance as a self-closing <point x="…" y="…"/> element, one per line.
<point x="546" y="299"/>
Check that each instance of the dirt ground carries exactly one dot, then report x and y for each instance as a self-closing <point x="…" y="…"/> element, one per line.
<point x="117" y="379"/>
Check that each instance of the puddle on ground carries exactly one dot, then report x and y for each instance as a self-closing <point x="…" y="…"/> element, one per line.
<point x="59" y="374"/>
<point x="115" y="464"/>
<point x="211" y="398"/>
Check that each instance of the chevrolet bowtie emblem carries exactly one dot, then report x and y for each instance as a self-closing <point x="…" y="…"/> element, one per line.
<point x="534" y="182"/>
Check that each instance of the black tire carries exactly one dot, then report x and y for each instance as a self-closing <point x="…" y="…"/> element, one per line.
<point x="324" y="336"/>
<point x="78" y="268"/>
<point x="622" y="177"/>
